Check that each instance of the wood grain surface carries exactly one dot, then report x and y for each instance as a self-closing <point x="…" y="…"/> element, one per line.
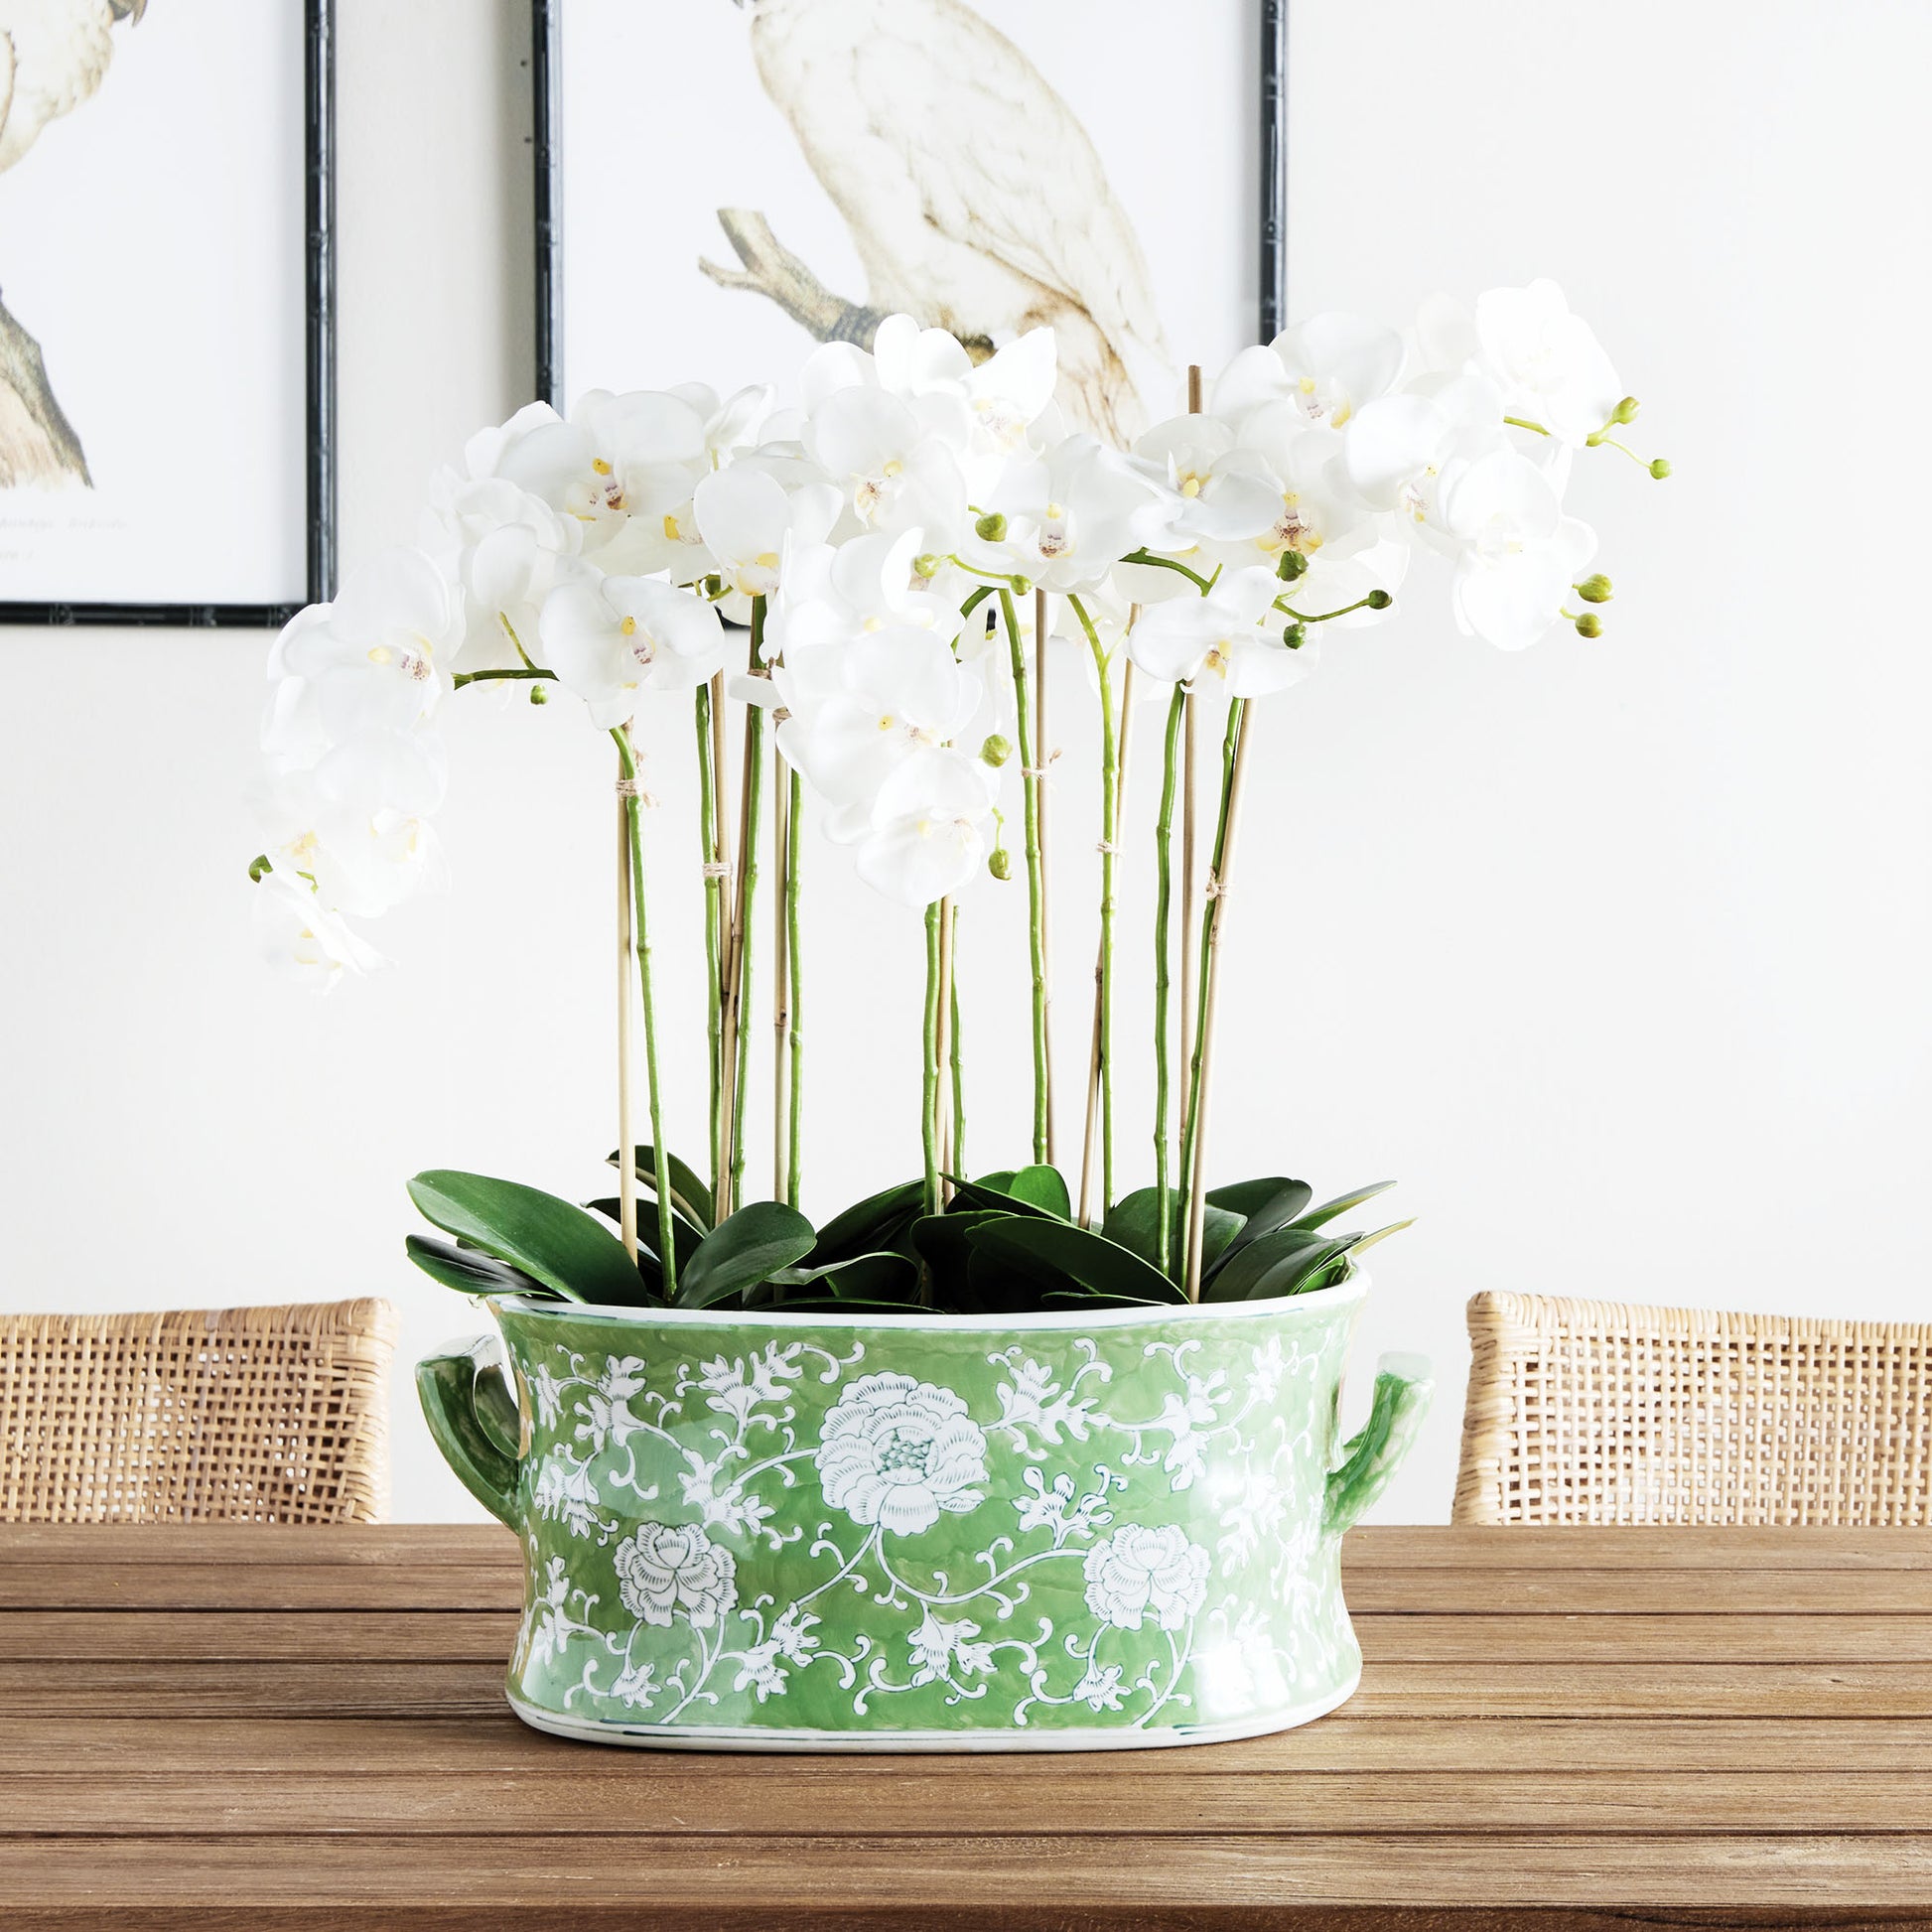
<point x="238" y="1729"/>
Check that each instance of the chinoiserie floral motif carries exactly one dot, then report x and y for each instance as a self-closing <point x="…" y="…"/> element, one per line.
<point x="1140" y="1572"/>
<point x="1115" y="1531"/>
<point x="897" y="1452"/>
<point x="664" y="1572"/>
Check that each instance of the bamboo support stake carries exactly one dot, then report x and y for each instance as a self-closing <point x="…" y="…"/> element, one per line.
<point x="1099" y="1120"/>
<point x="1211" y="919"/>
<point x="1189" y="846"/>
<point x="626" y="965"/>
<point x="781" y="988"/>
<point x="1042" y="756"/>
<point x="721" y="872"/>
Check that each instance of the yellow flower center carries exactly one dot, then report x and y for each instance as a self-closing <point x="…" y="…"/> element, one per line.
<point x="628" y="628"/>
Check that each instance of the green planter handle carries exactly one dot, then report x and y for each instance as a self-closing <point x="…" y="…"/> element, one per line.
<point x="473" y="1418"/>
<point x="1403" y="1386"/>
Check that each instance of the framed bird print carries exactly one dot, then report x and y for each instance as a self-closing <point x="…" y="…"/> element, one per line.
<point x="166" y="360"/>
<point x="723" y="182"/>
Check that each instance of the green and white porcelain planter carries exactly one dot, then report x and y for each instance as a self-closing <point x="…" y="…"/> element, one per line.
<point x="831" y="1533"/>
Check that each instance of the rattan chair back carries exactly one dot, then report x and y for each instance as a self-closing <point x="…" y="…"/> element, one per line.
<point x="1598" y="1411"/>
<point x="250" y="1415"/>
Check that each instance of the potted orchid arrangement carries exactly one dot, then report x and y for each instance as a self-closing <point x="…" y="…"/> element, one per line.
<point x="993" y="1458"/>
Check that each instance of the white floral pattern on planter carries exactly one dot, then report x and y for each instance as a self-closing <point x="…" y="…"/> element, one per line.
<point x="1175" y="1513"/>
<point x="1140" y="1572"/>
<point x="662" y="1571"/>
<point x="897" y="1452"/>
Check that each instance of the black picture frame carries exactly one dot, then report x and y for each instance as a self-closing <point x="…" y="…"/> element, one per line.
<point x="319" y="91"/>
<point x="546" y="72"/>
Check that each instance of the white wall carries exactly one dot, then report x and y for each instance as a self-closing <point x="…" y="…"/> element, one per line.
<point x="1615" y="952"/>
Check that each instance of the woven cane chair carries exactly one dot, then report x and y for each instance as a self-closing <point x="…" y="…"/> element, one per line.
<point x="1594" y="1412"/>
<point x="244" y="1414"/>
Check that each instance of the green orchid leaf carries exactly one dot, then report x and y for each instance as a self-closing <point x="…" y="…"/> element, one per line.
<point x="870" y="1224"/>
<point x="1134" y="1222"/>
<point x="1367" y="1241"/>
<point x="1085" y="1258"/>
<point x="689" y="1195"/>
<point x="1277" y="1211"/>
<point x="1241" y="1276"/>
<point x="1302" y="1272"/>
<point x="1044" y="1188"/>
<point x="552" y="1240"/>
<point x="1087" y="1298"/>
<point x="1317" y="1217"/>
<point x="983" y="1193"/>
<point x="1251" y="1196"/>
<point x="684" y="1237"/>
<point x="875" y="1278"/>
<point x="943" y="1243"/>
<point x="470" y="1271"/>
<point x="846" y="1305"/>
<point x="742" y="1251"/>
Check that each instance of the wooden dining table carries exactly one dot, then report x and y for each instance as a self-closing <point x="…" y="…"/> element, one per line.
<point x="252" y="1728"/>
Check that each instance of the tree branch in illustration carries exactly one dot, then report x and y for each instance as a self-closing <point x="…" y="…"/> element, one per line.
<point x="37" y="445"/>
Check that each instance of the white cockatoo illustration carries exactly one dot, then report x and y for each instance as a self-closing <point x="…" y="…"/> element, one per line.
<point x="976" y="200"/>
<point x="53" y="54"/>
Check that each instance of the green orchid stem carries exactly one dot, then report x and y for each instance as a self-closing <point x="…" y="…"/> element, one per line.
<point x="929" y="1060"/>
<point x="739" y="1033"/>
<point x="1162" y="975"/>
<point x="1200" y="583"/>
<point x="974" y="602"/>
<point x="1326" y="617"/>
<point x="714" y="919"/>
<point x="1523" y="422"/>
<point x="633" y="821"/>
<point x="497" y="678"/>
<point x="794" y="995"/>
<point x="1032" y="780"/>
<point x="958" y="1150"/>
<point x="1192" y="1124"/>
<point x="1103" y="971"/>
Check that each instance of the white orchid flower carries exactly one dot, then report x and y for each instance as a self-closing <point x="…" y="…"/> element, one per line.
<point x="927" y="837"/>
<point x="355" y="825"/>
<point x="1215" y="491"/>
<point x="897" y="471"/>
<point x="863" y="711"/>
<point x="748" y="518"/>
<point x="372" y="660"/>
<point x="1327" y="367"/>
<point x="1550" y="368"/>
<point x="833" y="593"/>
<point x="1072" y="515"/>
<point x="611" y="642"/>
<point x="1518" y="554"/>
<point x="506" y="549"/>
<point x="301" y="937"/>
<point x="1233" y="633"/>
<point x="1397" y="447"/>
<point x="732" y="423"/>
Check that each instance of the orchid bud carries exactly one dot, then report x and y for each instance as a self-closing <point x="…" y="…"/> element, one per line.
<point x="995" y="750"/>
<point x="713" y="587"/>
<point x="999" y="861"/>
<point x="259" y="867"/>
<point x="1660" y="469"/>
<point x="539" y="694"/>
<point x="1296" y="636"/>
<point x="1589" y="624"/>
<point x="1378" y="599"/>
<point x="928" y="566"/>
<point x="1625" y="411"/>
<point x="993" y="527"/>
<point x="1293" y="565"/>
<point x="1594" y="590"/>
